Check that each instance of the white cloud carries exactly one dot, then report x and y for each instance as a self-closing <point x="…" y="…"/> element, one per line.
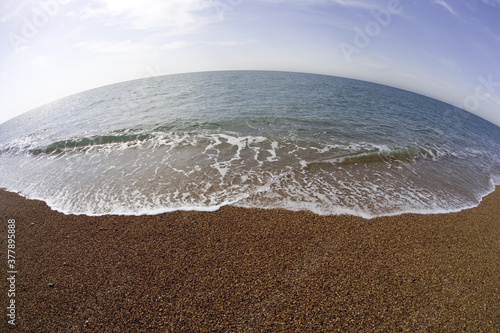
<point x="41" y="62"/>
<point x="446" y="6"/>
<point x="449" y="63"/>
<point x="110" y="47"/>
<point x="372" y="64"/>
<point x="407" y="75"/>
<point x="175" y="45"/>
<point x="182" y="44"/>
<point x="10" y="8"/>
<point x="492" y="34"/>
<point x="344" y="3"/>
<point x="494" y="3"/>
<point x="358" y="4"/>
<point x="234" y="42"/>
<point x="180" y="16"/>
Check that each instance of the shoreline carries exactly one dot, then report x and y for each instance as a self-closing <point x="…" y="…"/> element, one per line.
<point x="362" y="215"/>
<point x="240" y="269"/>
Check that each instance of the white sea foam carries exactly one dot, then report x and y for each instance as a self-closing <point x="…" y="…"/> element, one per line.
<point x="94" y="189"/>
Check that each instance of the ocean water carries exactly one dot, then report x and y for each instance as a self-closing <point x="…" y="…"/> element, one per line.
<point x="251" y="139"/>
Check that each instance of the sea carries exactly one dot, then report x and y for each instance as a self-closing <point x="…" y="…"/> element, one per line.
<point x="200" y="141"/>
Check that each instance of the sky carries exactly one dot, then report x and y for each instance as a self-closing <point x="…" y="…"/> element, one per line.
<point x="445" y="49"/>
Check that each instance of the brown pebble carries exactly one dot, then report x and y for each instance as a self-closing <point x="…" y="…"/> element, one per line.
<point x="270" y="271"/>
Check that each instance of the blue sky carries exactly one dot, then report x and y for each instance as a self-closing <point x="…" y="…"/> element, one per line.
<point x="445" y="49"/>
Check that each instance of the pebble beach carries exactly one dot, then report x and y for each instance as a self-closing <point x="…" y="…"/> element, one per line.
<point x="253" y="270"/>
